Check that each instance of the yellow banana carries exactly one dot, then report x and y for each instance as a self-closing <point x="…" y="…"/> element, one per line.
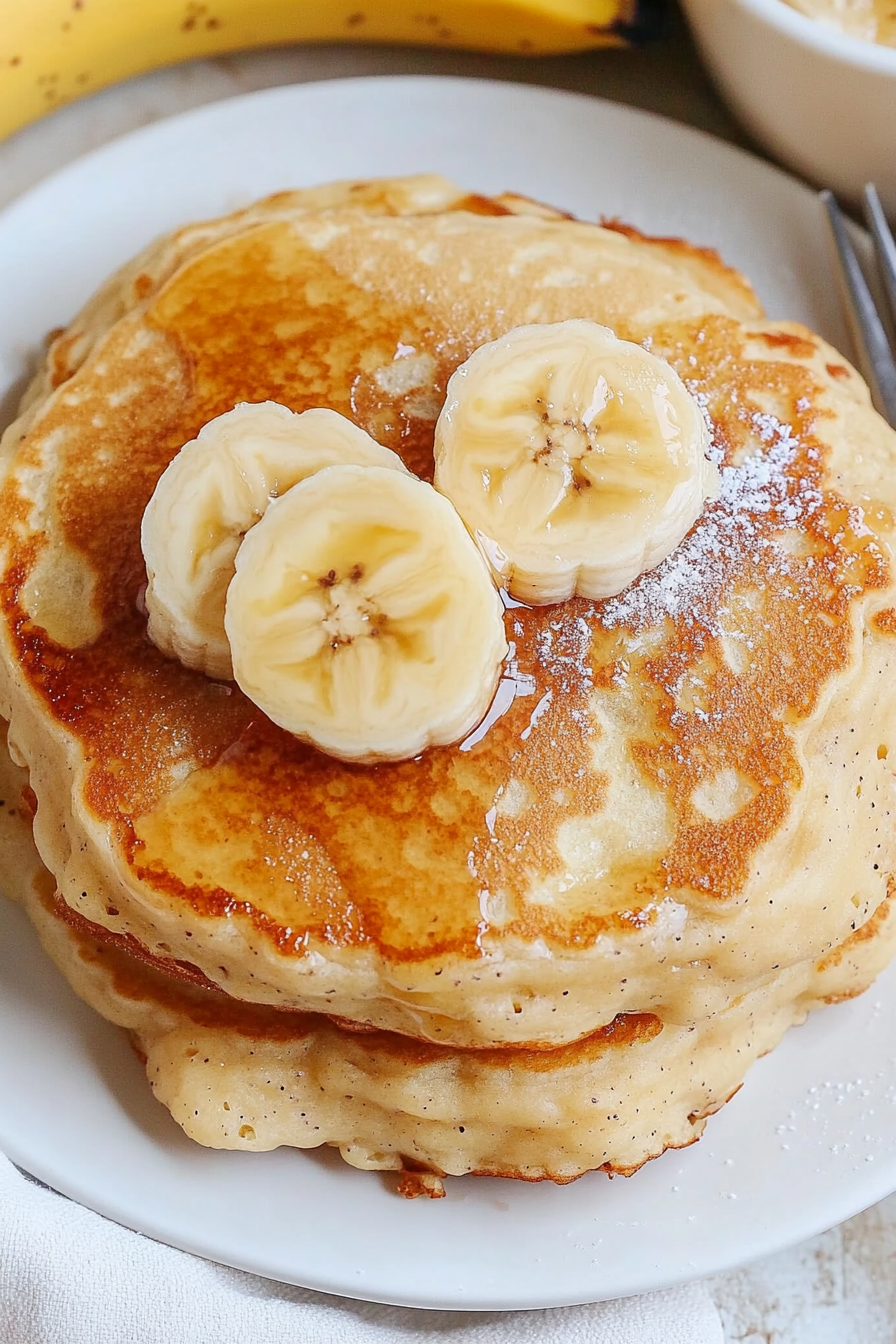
<point x="53" y="51"/>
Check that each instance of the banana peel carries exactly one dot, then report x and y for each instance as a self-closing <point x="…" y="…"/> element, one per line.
<point x="54" y="51"/>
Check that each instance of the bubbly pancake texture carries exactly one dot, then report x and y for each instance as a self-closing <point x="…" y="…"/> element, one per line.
<point x="681" y="799"/>
<point x="250" y="1077"/>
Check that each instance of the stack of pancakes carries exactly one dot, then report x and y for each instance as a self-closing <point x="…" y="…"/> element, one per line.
<point x="555" y="946"/>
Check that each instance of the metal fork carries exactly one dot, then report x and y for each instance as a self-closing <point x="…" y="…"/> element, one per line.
<point x="869" y="328"/>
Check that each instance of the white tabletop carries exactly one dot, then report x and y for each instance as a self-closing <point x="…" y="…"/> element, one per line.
<point x="838" y="1288"/>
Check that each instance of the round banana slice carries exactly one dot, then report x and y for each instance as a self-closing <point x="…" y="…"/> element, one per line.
<point x="576" y="459"/>
<point x="362" y="617"/>
<point x="213" y="491"/>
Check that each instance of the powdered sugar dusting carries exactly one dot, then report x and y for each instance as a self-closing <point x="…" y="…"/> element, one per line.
<point x="756" y="498"/>
<point x="563" y="650"/>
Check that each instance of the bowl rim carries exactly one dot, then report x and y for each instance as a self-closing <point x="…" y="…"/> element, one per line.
<point x="828" y="41"/>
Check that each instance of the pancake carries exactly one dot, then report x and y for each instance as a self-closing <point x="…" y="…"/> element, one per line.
<point x="252" y="1078"/>
<point x="21" y="862"/>
<point x="687" y="805"/>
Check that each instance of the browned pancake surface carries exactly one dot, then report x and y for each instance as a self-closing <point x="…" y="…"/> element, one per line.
<point x="217" y="814"/>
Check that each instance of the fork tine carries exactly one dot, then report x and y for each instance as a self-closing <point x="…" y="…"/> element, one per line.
<point x="884" y="245"/>
<point x="874" y="354"/>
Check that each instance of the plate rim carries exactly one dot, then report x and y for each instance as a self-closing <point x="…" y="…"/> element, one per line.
<point x="338" y="82"/>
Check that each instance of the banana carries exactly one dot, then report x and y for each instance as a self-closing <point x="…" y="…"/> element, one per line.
<point x="53" y="51"/>
<point x="212" y="492"/>
<point x="362" y="617"/>
<point x="576" y="459"/>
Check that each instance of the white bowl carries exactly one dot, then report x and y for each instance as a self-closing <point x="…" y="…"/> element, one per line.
<point x="821" y="102"/>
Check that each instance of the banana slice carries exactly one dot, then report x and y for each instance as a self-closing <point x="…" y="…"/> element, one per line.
<point x="214" y="490"/>
<point x="576" y="459"/>
<point x="362" y="617"/>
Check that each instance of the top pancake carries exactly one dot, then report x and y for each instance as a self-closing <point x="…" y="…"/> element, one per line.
<point x="689" y="790"/>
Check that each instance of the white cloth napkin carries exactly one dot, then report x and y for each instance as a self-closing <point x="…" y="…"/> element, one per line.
<point x="68" y="1276"/>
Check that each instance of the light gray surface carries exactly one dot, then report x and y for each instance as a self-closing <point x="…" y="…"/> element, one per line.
<point x="837" y="1288"/>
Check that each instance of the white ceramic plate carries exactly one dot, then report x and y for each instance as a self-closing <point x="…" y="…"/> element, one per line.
<point x="809" y="1140"/>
